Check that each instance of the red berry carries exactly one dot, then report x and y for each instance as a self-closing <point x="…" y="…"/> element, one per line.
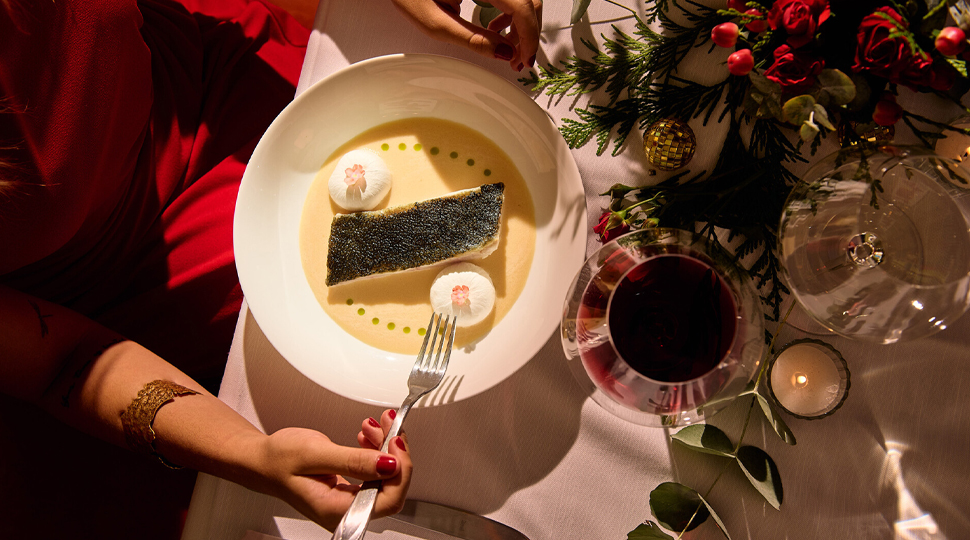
<point x="757" y="26"/>
<point x="738" y="5"/>
<point x="725" y="34"/>
<point x="887" y="112"/>
<point x="740" y="62"/>
<point x="951" y="41"/>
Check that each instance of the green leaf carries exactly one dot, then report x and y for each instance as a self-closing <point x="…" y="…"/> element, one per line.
<point x="781" y="428"/>
<point x="487" y="15"/>
<point x="837" y="86"/>
<point x="798" y="109"/>
<point x="822" y="117"/>
<point x="717" y="518"/>
<point x="648" y="531"/>
<point x="762" y="473"/>
<point x="959" y="65"/>
<point x="808" y="131"/>
<point x="579" y="9"/>
<point x="678" y="507"/>
<point x="764" y="85"/>
<point x="705" y="438"/>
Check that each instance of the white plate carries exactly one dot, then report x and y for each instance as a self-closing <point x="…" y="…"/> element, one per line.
<point x="333" y="111"/>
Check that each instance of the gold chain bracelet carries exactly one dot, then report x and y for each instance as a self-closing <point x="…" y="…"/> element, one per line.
<point x="138" y="418"/>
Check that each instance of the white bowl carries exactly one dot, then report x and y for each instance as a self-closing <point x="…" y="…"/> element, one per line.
<point x="333" y="111"/>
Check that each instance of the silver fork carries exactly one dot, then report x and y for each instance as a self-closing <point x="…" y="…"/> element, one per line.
<point x="426" y="375"/>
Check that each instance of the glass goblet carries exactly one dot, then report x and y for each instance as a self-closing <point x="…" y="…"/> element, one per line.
<point x="662" y="328"/>
<point x="875" y="243"/>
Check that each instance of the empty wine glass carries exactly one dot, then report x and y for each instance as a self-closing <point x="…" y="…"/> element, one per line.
<point x="875" y="243"/>
<point x="662" y="328"/>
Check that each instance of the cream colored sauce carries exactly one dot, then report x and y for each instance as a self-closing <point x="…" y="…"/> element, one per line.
<point x="400" y="302"/>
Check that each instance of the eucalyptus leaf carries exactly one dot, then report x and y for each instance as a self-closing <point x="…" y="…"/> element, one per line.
<point x="772" y="108"/>
<point x="808" y="131"/>
<point x="487" y="15"/>
<point x="762" y="473"/>
<point x="822" y="117"/>
<point x="862" y="93"/>
<point x="678" y="507"/>
<point x="705" y="438"/>
<point x="579" y="9"/>
<point x="618" y="190"/>
<point x="837" y="86"/>
<point x="779" y="425"/>
<point x="798" y="109"/>
<point x="648" y="531"/>
<point x="717" y="518"/>
<point x="764" y="85"/>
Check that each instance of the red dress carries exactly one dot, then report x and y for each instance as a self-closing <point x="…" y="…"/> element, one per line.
<point x="132" y="123"/>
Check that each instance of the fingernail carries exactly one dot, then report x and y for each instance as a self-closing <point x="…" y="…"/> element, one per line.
<point x="520" y="67"/>
<point x="503" y="51"/>
<point x="386" y="465"/>
<point x="532" y="61"/>
<point x="391" y="414"/>
<point x="400" y="443"/>
<point x="373" y="422"/>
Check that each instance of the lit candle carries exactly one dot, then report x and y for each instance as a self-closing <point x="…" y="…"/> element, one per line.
<point x="808" y="378"/>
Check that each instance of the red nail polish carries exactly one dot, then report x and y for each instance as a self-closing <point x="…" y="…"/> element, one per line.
<point x="503" y="51"/>
<point x="400" y="443"/>
<point x="386" y="465"/>
<point x="532" y="61"/>
<point x="373" y="422"/>
<point x="392" y="414"/>
<point x="520" y="67"/>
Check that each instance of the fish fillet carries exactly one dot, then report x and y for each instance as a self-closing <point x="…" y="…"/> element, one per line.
<point x="459" y="226"/>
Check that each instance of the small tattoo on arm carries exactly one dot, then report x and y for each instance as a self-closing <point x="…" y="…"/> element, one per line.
<point x="44" y="330"/>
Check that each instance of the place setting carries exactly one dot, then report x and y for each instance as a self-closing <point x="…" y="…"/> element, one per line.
<point x="721" y="298"/>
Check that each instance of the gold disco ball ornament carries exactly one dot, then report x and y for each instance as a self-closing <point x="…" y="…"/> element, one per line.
<point x="669" y="144"/>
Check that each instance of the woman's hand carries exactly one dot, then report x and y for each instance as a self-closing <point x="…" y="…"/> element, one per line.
<point x="441" y="20"/>
<point x="307" y="470"/>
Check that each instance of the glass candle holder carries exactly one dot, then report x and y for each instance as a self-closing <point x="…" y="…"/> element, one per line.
<point x="808" y="379"/>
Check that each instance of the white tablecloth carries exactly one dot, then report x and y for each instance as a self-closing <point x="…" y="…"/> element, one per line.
<point x="538" y="454"/>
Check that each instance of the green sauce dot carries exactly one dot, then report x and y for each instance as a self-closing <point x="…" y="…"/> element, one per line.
<point x="422" y="331"/>
<point x="390" y="326"/>
<point x="417" y="147"/>
<point x="488" y="172"/>
<point x="407" y="329"/>
<point x="434" y="150"/>
<point x="454" y="155"/>
<point x="350" y="301"/>
<point x="402" y="146"/>
<point x="385" y="147"/>
<point x="375" y="320"/>
<point x="471" y="162"/>
<point x="360" y="311"/>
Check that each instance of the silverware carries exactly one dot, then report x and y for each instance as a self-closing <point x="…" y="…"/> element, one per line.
<point x="454" y="522"/>
<point x="426" y="375"/>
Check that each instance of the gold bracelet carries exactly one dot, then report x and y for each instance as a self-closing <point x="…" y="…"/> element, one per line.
<point x="138" y="418"/>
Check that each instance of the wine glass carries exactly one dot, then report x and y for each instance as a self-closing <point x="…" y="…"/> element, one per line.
<point x="662" y="328"/>
<point x="875" y="243"/>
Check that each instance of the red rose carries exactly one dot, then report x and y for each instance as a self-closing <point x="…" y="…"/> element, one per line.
<point x="799" y="18"/>
<point x="795" y="71"/>
<point x="885" y="49"/>
<point x="610" y="226"/>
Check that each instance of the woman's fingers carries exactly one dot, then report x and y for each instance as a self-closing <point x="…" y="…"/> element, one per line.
<point x="441" y="21"/>
<point x="394" y="490"/>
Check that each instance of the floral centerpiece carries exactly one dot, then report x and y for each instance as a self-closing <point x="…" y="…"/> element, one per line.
<point x="799" y="72"/>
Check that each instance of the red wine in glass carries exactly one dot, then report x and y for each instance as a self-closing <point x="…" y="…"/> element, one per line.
<point x="671" y="321"/>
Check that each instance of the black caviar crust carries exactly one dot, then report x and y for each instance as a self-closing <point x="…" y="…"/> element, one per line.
<point x="413" y="235"/>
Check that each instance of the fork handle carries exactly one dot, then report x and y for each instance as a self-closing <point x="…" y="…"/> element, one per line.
<point x="354" y="523"/>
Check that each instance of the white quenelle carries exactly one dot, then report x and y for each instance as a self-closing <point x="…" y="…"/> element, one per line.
<point x="464" y="290"/>
<point x="360" y="181"/>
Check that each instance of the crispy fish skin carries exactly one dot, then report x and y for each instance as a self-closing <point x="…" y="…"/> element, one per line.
<point x="458" y="226"/>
